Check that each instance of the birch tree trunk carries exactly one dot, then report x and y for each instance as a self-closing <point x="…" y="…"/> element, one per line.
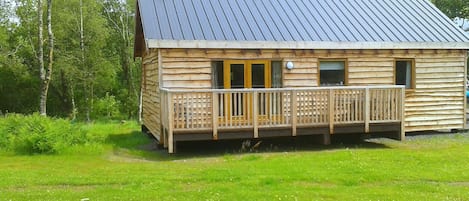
<point x="74" y="106"/>
<point x="82" y="51"/>
<point x="40" y="57"/>
<point x="45" y="74"/>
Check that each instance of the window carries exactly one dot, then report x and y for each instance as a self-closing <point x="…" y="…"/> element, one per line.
<point x="404" y="73"/>
<point x="217" y="74"/>
<point x="276" y="74"/>
<point x="262" y="74"/>
<point x="332" y="73"/>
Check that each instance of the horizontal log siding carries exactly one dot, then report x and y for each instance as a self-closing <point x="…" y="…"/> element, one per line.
<point x="438" y="100"/>
<point x="436" y="103"/>
<point x="151" y="93"/>
<point x="186" y="69"/>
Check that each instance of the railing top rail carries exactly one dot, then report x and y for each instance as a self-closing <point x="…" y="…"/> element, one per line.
<point x="282" y="89"/>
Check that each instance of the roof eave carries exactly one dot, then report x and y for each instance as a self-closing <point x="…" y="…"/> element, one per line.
<point x="207" y="44"/>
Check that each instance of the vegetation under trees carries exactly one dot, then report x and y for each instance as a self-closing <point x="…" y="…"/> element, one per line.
<point x="89" y="45"/>
<point x="36" y="134"/>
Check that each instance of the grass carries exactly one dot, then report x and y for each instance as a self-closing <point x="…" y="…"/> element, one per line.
<point x="125" y="168"/>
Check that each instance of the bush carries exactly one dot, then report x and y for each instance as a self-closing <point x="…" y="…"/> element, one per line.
<point x="106" y="107"/>
<point x="38" y="134"/>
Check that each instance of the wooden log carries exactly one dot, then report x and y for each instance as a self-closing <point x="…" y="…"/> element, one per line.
<point x="215" y="108"/>
<point x="331" y="111"/>
<point x="326" y="137"/>
<point x="294" y="112"/>
<point x="367" y="110"/>
<point x="170" y="123"/>
<point x="255" y="115"/>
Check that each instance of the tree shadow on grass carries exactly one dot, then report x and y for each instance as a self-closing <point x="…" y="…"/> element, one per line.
<point x="128" y="140"/>
<point x="137" y="144"/>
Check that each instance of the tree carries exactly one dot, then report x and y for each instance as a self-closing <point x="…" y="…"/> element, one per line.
<point x="458" y="10"/>
<point x="453" y="8"/>
<point x="40" y="57"/>
<point x="85" y="72"/>
<point x="91" y="57"/>
<point x="120" y="18"/>
<point x="45" y="73"/>
<point x="17" y="84"/>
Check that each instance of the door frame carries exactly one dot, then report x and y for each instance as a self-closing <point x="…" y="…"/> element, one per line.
<point x="247" y="100"/>
<point x="247" y="72"/>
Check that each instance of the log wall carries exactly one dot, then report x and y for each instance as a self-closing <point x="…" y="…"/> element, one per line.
<point x="151" y="93"/>
<point x="437" y="102"/>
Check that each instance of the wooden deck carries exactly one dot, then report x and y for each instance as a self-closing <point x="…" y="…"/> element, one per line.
<point x="256" y="113"/>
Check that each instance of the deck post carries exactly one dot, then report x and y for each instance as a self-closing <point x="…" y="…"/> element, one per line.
<point x="165" y="127"/>
<point x="165" y="141"/>
<point x="331" y="111"/>
<point x="163" y="119"/>
<point x="255" y="112"/>
<point x="326" y="139"/>
<point x="402" y="105"/>
<point x="215" y="115"/>
<point x="170" y="123"/>
<point x="367" y="110"/>
<point x="294" y="111"/>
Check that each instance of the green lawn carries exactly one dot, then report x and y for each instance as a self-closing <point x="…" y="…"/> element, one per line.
<point x="422" y="168"/>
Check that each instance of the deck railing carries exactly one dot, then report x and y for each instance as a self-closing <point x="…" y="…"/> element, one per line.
<point x="234" y="109"/>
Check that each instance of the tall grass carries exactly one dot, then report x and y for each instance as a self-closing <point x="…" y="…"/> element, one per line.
<point x="36" y="134"/>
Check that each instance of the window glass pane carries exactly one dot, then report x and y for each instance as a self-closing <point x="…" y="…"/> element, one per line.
<point x="276" y="74"/>
<point x="218" y="80"/>
<point x="258" y="76"/>
<point x="404" y="73"/>
<point x="332" y="73"/>
<point x="408" y="83"/>
<point x="237" y="76"/>
<point x="332" y="65"/>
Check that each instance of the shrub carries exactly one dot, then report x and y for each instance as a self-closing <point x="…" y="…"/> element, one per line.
<point x="38" y="134"/>
<point x="106" y="107"/>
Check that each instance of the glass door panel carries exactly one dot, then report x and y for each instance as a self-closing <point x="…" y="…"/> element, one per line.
<point x="258" y="76"/>
<point x="259" y="81"/>
<point x="237" y="72"/>
<point x="235" y="78"/>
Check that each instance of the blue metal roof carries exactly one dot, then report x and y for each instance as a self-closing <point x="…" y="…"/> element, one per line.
<point x="396" y="21"/>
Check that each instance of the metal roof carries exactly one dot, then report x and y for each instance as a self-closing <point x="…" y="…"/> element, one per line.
<point x="298" y="24"/>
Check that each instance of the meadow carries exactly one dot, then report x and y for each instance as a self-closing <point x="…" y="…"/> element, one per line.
<point x="126" y="165"/>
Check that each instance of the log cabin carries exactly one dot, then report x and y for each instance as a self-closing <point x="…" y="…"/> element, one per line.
<point x="240" y="69"/>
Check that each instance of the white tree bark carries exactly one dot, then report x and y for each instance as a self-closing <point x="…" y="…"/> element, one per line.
<point x="45" y="73"/>
<point x="40" y="57"/>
